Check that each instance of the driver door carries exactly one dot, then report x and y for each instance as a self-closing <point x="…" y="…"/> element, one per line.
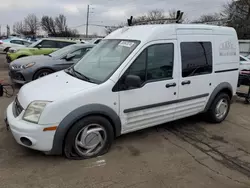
<point x="45" y="47"/>
<point x="153" y="102"/>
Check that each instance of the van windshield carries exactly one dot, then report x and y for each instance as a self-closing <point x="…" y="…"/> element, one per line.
<point x="101" y="62"/>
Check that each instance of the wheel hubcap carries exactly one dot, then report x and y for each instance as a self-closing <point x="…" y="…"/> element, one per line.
<point x="90" y="140"/>
<point x="43" y="74"/>
<point x="221" y="108"/>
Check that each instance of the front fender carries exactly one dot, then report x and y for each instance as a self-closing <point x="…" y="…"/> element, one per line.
<point x="76" y="115"/>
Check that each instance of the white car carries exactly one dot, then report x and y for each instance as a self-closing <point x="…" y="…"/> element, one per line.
<point x="244" y="63"/>
<point x="5" y="45"/>
<point x="131" y="80"/>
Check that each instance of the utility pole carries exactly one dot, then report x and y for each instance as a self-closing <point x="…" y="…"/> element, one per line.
<point x="8" y="30"/>
<point x="87" y="22"/>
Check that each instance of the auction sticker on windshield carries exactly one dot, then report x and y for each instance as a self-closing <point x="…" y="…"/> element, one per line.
<point x="126" y="44"/>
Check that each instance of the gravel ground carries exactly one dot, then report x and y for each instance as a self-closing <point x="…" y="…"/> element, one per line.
<point x="185" y="153"/>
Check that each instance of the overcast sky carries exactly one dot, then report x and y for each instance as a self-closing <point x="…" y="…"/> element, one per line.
<point x="103" y="12"/>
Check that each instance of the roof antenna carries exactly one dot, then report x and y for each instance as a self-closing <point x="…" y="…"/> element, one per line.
<point x="179" y="16"/>
<point x="130" y="21"/>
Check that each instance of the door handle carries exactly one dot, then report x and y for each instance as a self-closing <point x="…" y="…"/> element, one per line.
<point x="187" y="82"/>
<point x="170" y="85"/>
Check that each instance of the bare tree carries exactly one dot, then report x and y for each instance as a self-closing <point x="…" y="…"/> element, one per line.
<point x="238" y="15"/>
<point x="61" y="23"/>
<point x="48" y="25"/>
<point x="18" y="28"/>
<point x="57" y="27"/>
<point x="209" y="19"/>
<point x="156" y="16"/>
<point x="110" y="29"/>
<point x="31" y="23"/>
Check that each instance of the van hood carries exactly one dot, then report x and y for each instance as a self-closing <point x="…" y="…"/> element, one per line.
<point x="51" y="88"/>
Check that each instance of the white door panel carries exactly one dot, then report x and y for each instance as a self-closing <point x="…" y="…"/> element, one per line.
<point x="147" y="106"/>
<point x="154" y="102"/>
<point x="190" y="107"/>
<point x="195" y="84"/>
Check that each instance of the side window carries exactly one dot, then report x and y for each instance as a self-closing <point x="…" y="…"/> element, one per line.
<point x="79" y="53"/>
<point x="61" y="44"/>
<point x="160" y="61"/>
<point x="154" y="63"/>
<point x="16" y="42"/>
<point x="196" y="58"/>
<point x="241" y="59"/>
<point x="97" y="41"/>
<point x="26" y="43"/>
<point x="138" y="67"/>
<point x="47" y="44"/>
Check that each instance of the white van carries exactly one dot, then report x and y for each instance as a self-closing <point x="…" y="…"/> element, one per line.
<point x="137" y="77"/>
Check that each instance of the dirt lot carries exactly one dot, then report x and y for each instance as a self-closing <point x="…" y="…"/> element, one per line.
<point x="187" y="153"/>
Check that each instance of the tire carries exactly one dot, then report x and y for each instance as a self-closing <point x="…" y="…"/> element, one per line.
<point x="216" y="114"/>
<point x="42" y="73"/>
<point x="75" y="147"/>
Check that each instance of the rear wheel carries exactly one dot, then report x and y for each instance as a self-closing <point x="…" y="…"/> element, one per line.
<point x="41" y="73"/>
<point x="90" y="137"/>
<point x="219" y="108"/>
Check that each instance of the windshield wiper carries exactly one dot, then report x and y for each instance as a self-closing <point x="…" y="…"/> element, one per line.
<point x="48" y="55"/>
<point x="79" y="75"/>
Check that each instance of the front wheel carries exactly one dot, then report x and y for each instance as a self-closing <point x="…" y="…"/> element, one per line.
<point x="90" y="137"/>
<point x="219" y="108"/>
<point x="42" y="73"/>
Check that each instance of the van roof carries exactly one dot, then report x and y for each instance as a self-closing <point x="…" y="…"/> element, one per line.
<point x="166" y="31"/>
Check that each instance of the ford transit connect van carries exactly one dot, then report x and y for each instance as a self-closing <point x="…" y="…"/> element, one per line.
<point x="137" y="77"/>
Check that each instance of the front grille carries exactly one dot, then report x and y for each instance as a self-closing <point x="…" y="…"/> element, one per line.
<point x="17" y="108"/>
<point x="16" y="76"/>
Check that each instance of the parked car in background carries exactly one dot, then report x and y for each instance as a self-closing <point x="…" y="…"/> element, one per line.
<point x="29" y="68"/>
<point x="244" y="63"/>
<point x="6" y="44"/>
<point x="41" y="47"/>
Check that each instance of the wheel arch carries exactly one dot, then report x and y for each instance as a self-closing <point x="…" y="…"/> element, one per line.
<point x="76" y="115"/>
<point x="222" y="87"/>
<point x="41" y="68"/>
<point x="20" y="56"/>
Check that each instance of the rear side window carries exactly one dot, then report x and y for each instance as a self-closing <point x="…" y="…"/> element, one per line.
<point x="61" y="44"/>
<point x="16" y="42"/>
<point x="241" y="59"/>
<point x="196" y="58"/>
<point x="47" y="44"/>
<point x="26" y="43"/>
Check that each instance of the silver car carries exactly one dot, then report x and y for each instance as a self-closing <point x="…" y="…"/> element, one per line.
<point x="29" y="68"/>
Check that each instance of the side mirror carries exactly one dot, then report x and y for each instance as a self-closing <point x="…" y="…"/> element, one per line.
<point x="133" y="81"/>
<point x="69" y="57"/>
<point x="39" y="46"/>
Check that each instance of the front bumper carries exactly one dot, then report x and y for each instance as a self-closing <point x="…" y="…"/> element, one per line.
<point x="20" y="76"/>
<point x="40" y="140"/>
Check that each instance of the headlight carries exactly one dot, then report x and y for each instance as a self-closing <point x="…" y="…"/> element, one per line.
<point x="28" y="65"/>
<point x="12" y="50"/>
<point x="34" y="111"/>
